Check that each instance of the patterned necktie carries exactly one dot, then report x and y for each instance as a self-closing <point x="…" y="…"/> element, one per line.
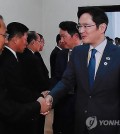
<point x="91" y="67"/>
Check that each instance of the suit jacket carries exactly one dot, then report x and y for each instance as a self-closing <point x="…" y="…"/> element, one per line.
<point x="18" y="108"/>
<point x="53" y="60"/>
<point x="103" y="101"/>
<point x="35" y="76"/>
<point x="63" y="114"/>
<point x="45" y="71"/>
<point x="61" y="63"/>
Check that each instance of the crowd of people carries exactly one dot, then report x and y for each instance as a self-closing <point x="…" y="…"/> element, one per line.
<point x="84" y="85"/>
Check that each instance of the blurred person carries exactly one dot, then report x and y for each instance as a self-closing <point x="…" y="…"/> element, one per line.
<point x="110" y="39"/>
<point x="34" y="74"/>
<point x="116" y="40"/>
<point x="43" y="66"/>
<point x="53" y="55"/>
<point x="42" y="42"/>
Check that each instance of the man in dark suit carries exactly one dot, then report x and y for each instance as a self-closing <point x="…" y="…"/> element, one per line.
<point x="97" y="91"/>
<point x="35" y="76"/>
<point x="19" y="107"/>
<point x="42" y="64"/>
<point x="53" y="54"/>
<point x="63" y="114"/>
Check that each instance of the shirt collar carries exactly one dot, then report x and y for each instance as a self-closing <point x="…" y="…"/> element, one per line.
<point x="59" y="47"/>
<point x="11" y="51"/>
<point x="100" y="48"/>
<point x="31" y="50"/>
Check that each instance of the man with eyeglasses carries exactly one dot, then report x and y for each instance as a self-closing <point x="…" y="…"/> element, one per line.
<point x="95" y="69"/>
<point x="3" y="34"/>
<point x="43" y="66"/>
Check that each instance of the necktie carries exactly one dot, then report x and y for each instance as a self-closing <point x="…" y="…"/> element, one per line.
<point x="69" y="54"/>
<point x="91" y="67"/>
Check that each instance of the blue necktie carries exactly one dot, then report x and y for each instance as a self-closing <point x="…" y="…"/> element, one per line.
<point x="91" y="67"/>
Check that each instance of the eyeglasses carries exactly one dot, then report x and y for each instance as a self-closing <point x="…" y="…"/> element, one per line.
<point x="84" y="26"/>
<point x="5" y="35"/>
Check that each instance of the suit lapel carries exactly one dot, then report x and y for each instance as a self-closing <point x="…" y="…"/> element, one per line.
<point x="104" y="65"/>
<point x="7" y="52"/>
<point x="84" y="68"/>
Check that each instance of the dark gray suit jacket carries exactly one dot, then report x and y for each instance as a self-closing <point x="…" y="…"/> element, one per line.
<point x="103" y="101"/>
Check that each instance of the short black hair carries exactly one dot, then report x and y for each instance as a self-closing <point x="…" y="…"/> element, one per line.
<point x="16" y="28"/>
<point x="41" y="36"/>
<point x="1" y="17"/>
<point x="32" y="35"/>
<point x="58" y="38"/>
<point x="97" y="14"/>
<point x="70" y="27"/>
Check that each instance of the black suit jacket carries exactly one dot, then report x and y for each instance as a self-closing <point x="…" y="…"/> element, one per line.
<point x="103" y="101"/>
<point x="45" y="71"/>
<point x="35" y="75"/>
<point x="61" y="63"/>
<point x="63" y="114"/>
<point x="18" y="109"/>
<point x="53" y="56"/>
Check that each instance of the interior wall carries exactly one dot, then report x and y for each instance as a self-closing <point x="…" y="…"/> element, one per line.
<point x="28" y="12"/>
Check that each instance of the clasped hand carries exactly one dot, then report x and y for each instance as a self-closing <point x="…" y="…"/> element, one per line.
<point x="46" y="104"/>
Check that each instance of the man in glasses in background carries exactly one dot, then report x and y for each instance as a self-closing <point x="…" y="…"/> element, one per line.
<point x="34" y="74"/>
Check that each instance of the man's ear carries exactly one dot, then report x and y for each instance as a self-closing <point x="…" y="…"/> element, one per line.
<point x="32" y="42"/>
<point x="15" y="39"/>
<point x="102" y="27"/>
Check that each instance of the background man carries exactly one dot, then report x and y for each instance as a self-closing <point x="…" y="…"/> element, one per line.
<point x="53" y="54"/>
<point x="63" y="114"/>
<point x="34" y="74"/>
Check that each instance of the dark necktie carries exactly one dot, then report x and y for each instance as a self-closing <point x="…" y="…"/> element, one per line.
<point x="91" y="67"/>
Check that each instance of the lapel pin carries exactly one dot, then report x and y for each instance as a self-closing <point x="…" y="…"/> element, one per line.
<point x="105" y="63"/>
<point x="107" y="58"/>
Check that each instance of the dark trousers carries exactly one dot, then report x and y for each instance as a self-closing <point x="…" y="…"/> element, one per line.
<point x="63" y="122"/>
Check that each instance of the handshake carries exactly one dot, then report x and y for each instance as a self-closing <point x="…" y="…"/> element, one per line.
<point x="45" y="102"/>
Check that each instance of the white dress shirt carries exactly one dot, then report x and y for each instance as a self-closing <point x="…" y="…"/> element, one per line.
<point x="14" y="53"/>
<point x="100" y="49"/>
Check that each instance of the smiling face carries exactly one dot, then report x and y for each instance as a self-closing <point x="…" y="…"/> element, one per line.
<point x="90" y="33"/>
<point x="67" y="39"/>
